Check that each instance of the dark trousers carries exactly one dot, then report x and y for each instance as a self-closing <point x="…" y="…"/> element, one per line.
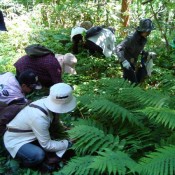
<point x="77" y="39"/>
<point x="133" y="75"/>
<point x="92" y="47"/>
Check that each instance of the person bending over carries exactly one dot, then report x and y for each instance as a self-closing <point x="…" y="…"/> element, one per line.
<point x="130" y="48"/>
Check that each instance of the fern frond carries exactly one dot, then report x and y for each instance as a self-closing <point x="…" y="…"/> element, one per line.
<point x="78" y="166"/>
<point x="114" y="111"/>
<point x="161" y="162"/>
<point x="91" y="139"/>
<point x="152" y="98"/>
<point x="91" y="122"/>
<point x="164" y="116"/>
<point x="112" y="162"/>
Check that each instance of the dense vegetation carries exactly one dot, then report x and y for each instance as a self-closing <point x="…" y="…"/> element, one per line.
<point x="119" y="128"/>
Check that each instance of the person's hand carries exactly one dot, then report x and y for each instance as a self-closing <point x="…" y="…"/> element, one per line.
<point x="126" y="64"/>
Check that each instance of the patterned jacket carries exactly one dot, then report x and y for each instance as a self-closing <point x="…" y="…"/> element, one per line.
<point x="47" y="68"/>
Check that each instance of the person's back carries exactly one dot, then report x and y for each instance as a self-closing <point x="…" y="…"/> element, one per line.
<point x="46" y="67"/>
<point x="105" y="39"/>
<point x="12" y="95"/>
<point x="27" y="119"/>
<point x="13" y="89"/>
<point x="10" y="89"/>
<point x="77" y="33"/>
<point x="45" y="64"/>
<point x="131" y="47"/>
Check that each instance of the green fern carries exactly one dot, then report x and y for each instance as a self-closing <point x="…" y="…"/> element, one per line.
<point x="112" y="162"/>
<point x="161" y="162"/>
<point x="78" y="166"/>
<point x="152" y="98"/>
<point x="114" y="111"/>
<point x="107" y="162"/>
<point x="164" y="116"/>
<point x="90" y="139"/>
<point x="91" y="122"/>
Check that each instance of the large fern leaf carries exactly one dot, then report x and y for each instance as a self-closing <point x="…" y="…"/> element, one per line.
<point x="112" y="162"/>
<point x="112" y="110"/>
<point x="78" y="166"/>
<point x="151" y="97"/>
<point x="164" y="116"/>
<point x="91" y="139"/>
<point x="161" y="162"/>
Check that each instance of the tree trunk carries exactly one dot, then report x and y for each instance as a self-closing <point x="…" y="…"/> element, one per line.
<point x="125" y="12"/>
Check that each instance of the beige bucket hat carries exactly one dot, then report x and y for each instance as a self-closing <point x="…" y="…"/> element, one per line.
<point x="67" y="62"/>
<point x="60" y="99"/>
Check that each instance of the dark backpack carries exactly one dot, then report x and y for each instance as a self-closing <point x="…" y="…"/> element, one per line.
<point x="7" y="113"/>
<point x="37" y="50"/>
<point x="93" y="31"/>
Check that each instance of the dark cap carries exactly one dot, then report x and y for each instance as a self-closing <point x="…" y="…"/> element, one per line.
<point x="145" y="25"/>
<point x="29" y="78"/>
<point x="2" y="23"/>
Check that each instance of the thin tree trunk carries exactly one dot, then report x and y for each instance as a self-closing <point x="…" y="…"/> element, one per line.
<point x="124" y="10"/>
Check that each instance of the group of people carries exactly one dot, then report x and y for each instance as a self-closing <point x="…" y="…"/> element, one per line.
<point x="102" y="40"/>
<point x="32" y="135"/>
<point x="27" y="136"/>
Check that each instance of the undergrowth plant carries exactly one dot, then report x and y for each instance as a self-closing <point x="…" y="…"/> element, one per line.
<point x="124" y="130"/>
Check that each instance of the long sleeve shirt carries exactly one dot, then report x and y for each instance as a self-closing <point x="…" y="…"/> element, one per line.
<point x="130" y="48"/>
<point x="35" y="120"/>
<point x="10" y="89"/>
<point x="47" y="68"/>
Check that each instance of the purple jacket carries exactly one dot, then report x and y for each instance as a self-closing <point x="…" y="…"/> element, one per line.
<point x="46" y="67"/>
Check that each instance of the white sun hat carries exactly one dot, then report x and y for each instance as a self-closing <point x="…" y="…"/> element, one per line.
<point x="76" y="31"/>
<point x="67" y="62"/>
<point x="60" y="99"/>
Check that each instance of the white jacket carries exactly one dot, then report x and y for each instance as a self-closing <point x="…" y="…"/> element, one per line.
<point x="106" y="40"/>
<point x="33" y="119"/>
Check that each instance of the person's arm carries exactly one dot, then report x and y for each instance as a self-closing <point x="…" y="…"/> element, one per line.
<point x="121" y="49"/>
<point x="40" y="127"/>
<point x="57" y="129"/>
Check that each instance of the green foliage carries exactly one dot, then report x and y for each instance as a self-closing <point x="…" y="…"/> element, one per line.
<point x="116" y="124"/>
<point x="92" y="139"/>
<point x="138" y="140"/>
<point x="160" y="162"/>
<point x="112" y="162"/>
<point x="164" y="116"/>
<point x="75" y="167"/>
<point x="107" y="162"/>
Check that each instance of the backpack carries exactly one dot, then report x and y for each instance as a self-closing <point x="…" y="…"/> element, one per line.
<point x="93" y="31"/>
<point x="37" y="50"/>
<point x="7" y="113"/>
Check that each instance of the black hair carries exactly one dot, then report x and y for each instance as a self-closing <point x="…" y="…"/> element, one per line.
<point x="27" y="77"/>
